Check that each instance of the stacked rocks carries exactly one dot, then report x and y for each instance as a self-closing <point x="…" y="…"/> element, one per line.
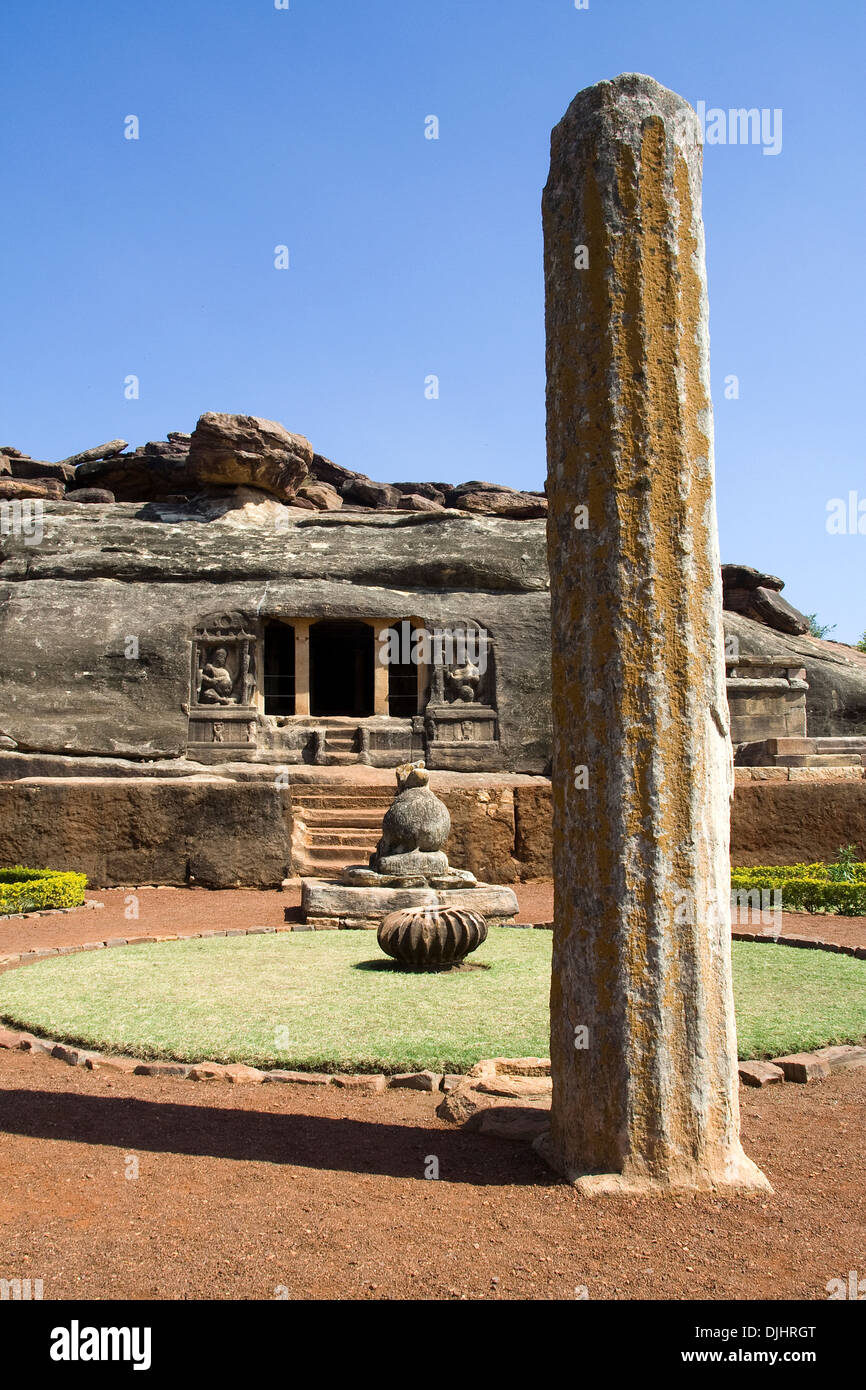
<point x="759" y="597"/>
<point x="228" y="452"/>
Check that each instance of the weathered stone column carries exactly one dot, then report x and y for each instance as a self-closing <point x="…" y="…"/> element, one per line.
<point x="381" y="673"/>
<point x="643" y="1046"/>
<point x="302" y="665"/>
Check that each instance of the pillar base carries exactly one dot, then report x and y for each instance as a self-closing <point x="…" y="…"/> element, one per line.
<point x="739" y="1177"/>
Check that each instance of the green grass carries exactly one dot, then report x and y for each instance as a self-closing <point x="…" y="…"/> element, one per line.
<point x="343" y="1007"/>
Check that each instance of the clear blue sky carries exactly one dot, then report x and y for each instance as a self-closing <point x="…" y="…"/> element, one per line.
<point x="305" y="127"/>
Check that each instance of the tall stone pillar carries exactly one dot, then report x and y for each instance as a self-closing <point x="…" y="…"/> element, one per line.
<point x="381" y="672"/>
<point x="643" y="1047"/>
<point x="302" y="665"/>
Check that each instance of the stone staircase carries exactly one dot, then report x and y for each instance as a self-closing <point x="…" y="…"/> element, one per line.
<point x="335" y="825"/>
<point x="840" y="752"/>
<point x="341" y="746"/>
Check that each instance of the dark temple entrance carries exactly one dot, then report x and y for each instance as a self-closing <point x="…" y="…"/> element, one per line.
<point x="279" y="689"/>
<point x="341" y="669"/>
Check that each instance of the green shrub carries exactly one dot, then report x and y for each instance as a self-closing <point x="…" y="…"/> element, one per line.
<point x="28" y="890"/>
<point x="839" y="887"/>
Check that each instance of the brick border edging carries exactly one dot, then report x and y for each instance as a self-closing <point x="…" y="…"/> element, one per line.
<point x="805" y="943"/>
<point x="797" y="1067"/>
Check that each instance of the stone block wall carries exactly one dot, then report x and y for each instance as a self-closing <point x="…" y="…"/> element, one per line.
<point x="119" y="831"/>
<point x="221" y="834"/>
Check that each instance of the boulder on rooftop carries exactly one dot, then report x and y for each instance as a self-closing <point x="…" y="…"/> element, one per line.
<point x="48" y="489"/>
<point x="322" y="496"/>
<point x="417" y="502"/>
<point x="435" y="492"/>
<point x="504" y="502"/>
<point x="89" y="494"/>
<point x="99" y="451"/>
<point x="766" y="606"/>
<point x="34" y="468"/>
<point x="361" y="492"/>
<point x="745" y="577"/>
<point x="326" y="471"/>
<point x="245" y="450"/>
<point x="138" y="477"/>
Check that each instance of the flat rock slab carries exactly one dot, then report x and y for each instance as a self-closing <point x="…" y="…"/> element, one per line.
<point x="505" y="1122"/>
<point x="297" y="1078"/>
<point x="760" y="1074"/>
<point x="123" y="1066"/>
<point x="803" y="1067"/>
<point x="335" y="901"/>
<point x="367" y="1085"/>
<point x="416" y="1080"/>
<point x="516" y="1087"/>
<point x="464" y="1102"/>
<point x="843" y="1057"/>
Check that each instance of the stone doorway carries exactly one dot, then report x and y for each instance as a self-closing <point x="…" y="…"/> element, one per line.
<point x="342" y="669"/>
<point x="279" y="664"/>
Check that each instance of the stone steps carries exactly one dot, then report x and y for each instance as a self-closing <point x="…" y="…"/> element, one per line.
<point x="352" y="839"/>
<point x="360" y="818"/>
<point x="335" y="827"/>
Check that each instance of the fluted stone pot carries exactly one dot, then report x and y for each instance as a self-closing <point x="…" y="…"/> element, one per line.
<point x="432" y="938"/>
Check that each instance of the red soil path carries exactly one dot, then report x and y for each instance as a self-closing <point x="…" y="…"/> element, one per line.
<point x="242" y="1190"/>
<point x="184" y="911"/>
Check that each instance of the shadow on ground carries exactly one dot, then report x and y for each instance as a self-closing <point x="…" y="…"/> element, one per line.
<point x="252" y="1136"/>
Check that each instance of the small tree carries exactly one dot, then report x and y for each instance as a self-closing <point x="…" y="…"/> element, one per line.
<point x="820" y="629"/>
<point x="861" y="645"/>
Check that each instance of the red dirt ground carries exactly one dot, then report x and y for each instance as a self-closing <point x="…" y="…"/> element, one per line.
<point x="188" y="910"/>
<point x="242" y="1190"/>
<point x="245" y="1189"/>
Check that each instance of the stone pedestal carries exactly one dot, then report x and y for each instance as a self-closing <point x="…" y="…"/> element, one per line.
<point x="643" y="1048"/>
<point x="327" y="905"/>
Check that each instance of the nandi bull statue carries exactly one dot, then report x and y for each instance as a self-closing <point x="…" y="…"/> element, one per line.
<point x="414" y="830"/>
<point x="409" y="870"/>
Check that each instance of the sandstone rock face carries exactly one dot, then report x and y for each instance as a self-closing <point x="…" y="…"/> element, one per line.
<point x="214" y="833"/>
<point x="836" y="674"/>
<point x="245" y="450"/>
<point x="90" y="494"/>
<point x="643" y="1047"/>
<point x="103" y="573"/>
<point x="796" y="822"/>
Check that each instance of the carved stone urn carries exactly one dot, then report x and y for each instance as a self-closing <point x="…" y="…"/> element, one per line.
<point x="432" y="938"/>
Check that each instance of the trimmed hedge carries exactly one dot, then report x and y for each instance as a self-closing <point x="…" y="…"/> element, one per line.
<point x="781" y="873"/>
<point x="808" y="887"/>
<point x="28" y="890"/>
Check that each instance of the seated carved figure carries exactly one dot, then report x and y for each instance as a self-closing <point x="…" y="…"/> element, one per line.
<point x="463" y="681"/>
<point x="415" y="827"/>
<point x="216" y="683"/>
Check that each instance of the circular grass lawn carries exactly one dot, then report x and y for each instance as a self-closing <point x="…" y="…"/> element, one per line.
<point x="330" y="1001"/>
